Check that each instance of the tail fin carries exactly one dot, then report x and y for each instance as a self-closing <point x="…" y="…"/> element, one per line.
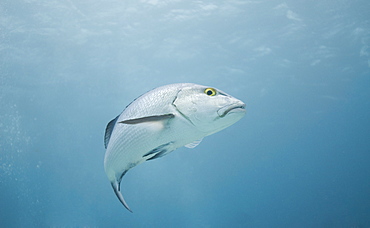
<point x="116" y="188"/>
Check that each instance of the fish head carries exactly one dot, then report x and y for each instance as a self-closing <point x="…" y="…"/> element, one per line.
<point x="208" y="109"/>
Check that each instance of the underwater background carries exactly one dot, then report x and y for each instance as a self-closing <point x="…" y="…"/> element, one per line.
<point x="299" y="158"/>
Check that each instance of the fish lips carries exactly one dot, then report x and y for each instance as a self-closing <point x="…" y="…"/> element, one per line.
<point x="233" y="108"/>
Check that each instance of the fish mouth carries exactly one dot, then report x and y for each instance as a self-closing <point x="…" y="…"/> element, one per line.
<point x="233" y="108"/>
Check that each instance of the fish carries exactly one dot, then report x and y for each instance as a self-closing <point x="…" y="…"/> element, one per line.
<point x="162" y="120"/>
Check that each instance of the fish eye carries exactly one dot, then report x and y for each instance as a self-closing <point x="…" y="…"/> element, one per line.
<point x="210" y="91"/>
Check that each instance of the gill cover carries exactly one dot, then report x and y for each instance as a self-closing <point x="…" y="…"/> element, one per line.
<point x="200" y="106"/>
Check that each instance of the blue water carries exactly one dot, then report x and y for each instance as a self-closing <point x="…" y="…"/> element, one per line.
<point x="299" y="158"/>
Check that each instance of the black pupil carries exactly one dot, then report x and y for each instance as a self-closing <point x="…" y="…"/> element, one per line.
<point x="209" y="92"/>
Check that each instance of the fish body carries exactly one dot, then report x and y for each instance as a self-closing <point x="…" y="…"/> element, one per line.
<point x="163" y="120"/>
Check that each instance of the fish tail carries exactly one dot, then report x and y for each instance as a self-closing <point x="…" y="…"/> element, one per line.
<point x="116" y="187"/>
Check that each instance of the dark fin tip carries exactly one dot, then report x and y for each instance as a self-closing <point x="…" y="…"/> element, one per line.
<point x="108" y="131"/>
<point x="115" y="186"/>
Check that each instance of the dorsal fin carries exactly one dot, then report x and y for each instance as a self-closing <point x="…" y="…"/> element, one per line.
<point x="108" y="131"/>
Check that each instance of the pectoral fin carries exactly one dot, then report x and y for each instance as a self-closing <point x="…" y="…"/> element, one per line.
<point x="148" y="119"/>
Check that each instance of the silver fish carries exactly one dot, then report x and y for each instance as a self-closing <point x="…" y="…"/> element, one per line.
<point x="162" y="120"/>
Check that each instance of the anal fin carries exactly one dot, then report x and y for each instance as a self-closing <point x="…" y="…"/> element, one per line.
<point x="158" y="155"/>
<point x="159" y="151"/>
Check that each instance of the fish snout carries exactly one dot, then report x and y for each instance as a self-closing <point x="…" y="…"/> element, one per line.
<point x="238" y="107"/>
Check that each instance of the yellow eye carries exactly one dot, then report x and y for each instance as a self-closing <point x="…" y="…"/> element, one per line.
<point x="210" y="91"/>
